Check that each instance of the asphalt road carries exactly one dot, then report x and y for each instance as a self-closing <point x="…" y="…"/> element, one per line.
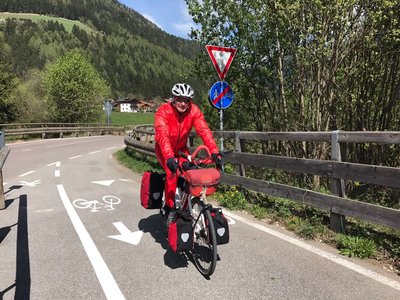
<point x="68" y="201"/>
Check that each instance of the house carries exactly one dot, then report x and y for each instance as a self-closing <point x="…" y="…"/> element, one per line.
<point x="134" y="105"/>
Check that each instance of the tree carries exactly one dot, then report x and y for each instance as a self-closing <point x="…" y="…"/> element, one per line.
<point x="75" y="89"/>
<point x="8" y="84"/>
<point x="32" y="97"/>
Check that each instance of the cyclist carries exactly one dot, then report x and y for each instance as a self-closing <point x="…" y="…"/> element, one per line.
<point x="173" y="123"/>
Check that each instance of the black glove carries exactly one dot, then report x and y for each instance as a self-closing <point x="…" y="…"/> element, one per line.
<point x="217" y="159"/>
<point x="172" y="164"/>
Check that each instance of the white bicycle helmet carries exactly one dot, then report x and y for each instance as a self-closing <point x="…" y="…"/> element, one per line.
<point x="182" y="89"/>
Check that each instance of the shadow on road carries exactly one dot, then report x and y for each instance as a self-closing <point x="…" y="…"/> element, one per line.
<point x="23" y="271"/>
<point x="9" y="201"/>
<point x="153" y="225"/>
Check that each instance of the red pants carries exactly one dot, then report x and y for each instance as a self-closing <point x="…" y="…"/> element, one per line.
<point x="170" y="180"/>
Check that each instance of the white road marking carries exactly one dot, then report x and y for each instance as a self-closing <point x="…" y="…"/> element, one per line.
<point x="4" y="183"/>
<point x="57" y="173"/>
<point x="27" y="173"/>
<point x="127" y="180"/>
<point x="43" y="210"/>
<point x="334" y="258"/>
<point x="111" y="148"/>
<point x="104" y="275"/>
<point x="94" y="152"/>
<point x="26" y="150"/>
<point x="126" y="235"/>
<point x="104" y="182"/>
<point x="230" y="220"/>
<point x="73" y="157"/>
<point x="57" y="164"/>
<point x="71" y="138"/>
<point x="31" y="184"/>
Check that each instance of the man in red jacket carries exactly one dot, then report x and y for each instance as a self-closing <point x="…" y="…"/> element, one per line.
<point x="173" y="123"/>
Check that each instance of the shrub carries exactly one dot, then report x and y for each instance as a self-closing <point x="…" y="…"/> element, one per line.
<point x="356" y="246"/>
<point x="232" y="199"/>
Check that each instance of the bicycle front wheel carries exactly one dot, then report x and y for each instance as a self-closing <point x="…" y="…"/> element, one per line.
<point x="205" y="243"/>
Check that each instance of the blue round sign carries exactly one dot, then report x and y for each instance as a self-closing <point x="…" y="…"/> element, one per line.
<point x="221" y="95"/>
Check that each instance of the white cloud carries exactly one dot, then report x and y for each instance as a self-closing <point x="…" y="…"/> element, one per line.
<point x="184" y="28"/>
<point x="186" y="20"/>
<point x="151" y="19"/>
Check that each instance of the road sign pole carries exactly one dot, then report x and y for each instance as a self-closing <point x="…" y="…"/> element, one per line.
<point x="221" y="127"/>
<point x="221" y="119"/>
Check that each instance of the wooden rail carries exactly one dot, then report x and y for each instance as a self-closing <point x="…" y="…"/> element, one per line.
<point x="141" y="140"/>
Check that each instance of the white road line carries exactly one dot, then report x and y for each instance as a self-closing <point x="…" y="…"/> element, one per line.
<point x="104" y="275"/>
<point x="94" y="152"/>
<point x="80" y="142"/>
<point x="111" y="148"/>
<point x="73" y="157"/>
<point x="26" y="150"/>
<point x="334" y="258"/>
<point x="57" y="164"/>
<point x="57" y="173"/>
<point x="27" y="173"/>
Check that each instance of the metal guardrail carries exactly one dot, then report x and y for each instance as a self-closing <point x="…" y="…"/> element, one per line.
<point x="141" y="140"/>
<point x="60" y="128"/>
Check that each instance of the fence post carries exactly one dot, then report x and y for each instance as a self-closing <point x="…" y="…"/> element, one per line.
<point x="238" y="148"/>
<point x="337" y="221"/>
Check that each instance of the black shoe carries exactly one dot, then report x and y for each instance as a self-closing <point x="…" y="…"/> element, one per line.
<point x="165" y="211"/>
<point x="170" y="218"/>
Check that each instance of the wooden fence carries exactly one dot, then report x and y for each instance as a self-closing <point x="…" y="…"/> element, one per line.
<point x="142" y="137"/>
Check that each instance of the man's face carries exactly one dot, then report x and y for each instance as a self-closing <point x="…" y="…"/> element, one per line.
<point x="181" y="103"/>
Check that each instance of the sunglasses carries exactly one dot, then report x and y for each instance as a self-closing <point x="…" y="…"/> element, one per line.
<point x="182" y="99"/>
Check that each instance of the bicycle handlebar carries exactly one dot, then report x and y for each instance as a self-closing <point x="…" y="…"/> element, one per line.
<point x="199" y="161"/>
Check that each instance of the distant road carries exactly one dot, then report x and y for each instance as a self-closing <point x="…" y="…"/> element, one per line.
<point x="74" y="229"/>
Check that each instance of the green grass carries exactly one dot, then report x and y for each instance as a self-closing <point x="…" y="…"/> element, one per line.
<point x="68" y="24"/>
<point x="354" y="246"/>
<point x="137" y="162"/>
<point x="129" y="119"/>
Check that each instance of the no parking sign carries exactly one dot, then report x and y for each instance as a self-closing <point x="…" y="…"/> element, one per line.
<point x="221" y="95"/>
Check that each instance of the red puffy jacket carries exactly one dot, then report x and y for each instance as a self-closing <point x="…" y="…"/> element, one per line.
<point x="172" y="130"/>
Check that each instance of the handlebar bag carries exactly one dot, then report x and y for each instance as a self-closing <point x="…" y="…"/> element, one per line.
<point x="180" y="234"/>
<point x="151" y="190"/>
<point x="202" y="179"/>
<point x="220" y="225"/>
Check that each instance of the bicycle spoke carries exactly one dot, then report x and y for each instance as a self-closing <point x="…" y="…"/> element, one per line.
<point x="205" y="245"/>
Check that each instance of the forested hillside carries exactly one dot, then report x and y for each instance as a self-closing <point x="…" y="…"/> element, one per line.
<point x="130" y="53"/>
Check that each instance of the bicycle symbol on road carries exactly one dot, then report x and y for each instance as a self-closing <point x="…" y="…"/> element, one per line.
<point x="95" y="205"/>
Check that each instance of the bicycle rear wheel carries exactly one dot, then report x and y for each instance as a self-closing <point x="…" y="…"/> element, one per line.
<point x="205" y="243"/>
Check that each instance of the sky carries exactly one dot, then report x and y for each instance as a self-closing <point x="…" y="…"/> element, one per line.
<point x="170" y="15"/>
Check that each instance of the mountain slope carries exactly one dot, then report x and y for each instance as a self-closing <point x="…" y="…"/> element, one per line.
<point x="108" y="16"/>
<point x="131" y="53"/>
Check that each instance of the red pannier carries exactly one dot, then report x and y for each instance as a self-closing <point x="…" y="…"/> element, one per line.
<point x="180" y="233"/>
<point x="151" y="190"/>
<point x="200" y="179"/>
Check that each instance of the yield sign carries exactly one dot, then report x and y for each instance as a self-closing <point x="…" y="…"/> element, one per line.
<point x="222" y="58"/>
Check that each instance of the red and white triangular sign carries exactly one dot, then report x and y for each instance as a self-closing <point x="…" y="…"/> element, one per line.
<point x="222" y="58"/>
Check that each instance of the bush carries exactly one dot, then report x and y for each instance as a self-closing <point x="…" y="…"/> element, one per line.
<point x="232" y="199"/>
<point x="356" y="246"/>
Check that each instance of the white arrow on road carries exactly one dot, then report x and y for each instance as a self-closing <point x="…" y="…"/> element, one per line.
<point x="57" y="164"/>
<point x="104" y="182"/>
<point x="32" y="184"/>
<point x="126" y="235"/>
